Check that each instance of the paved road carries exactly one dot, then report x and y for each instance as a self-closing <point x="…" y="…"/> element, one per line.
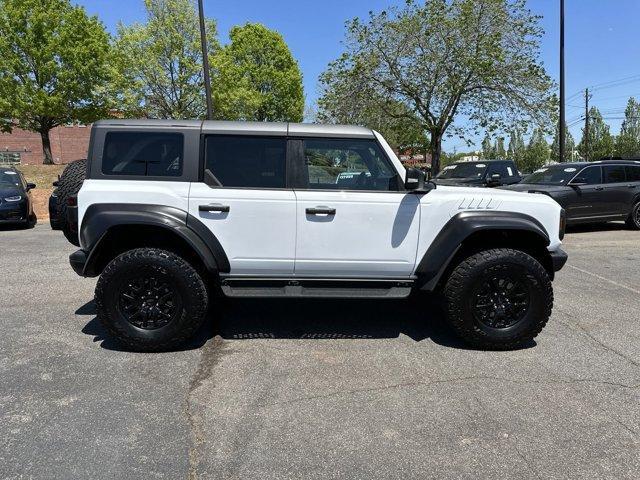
<point x="321" y="389"/>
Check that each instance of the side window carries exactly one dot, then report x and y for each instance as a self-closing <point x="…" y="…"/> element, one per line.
<point x="245" y="161"/>
<point x="614" y="173"/>
<point x="151" y="154"/>
<point x="498" y="168"/>
<point x="348" y="164"/>
<point x="633" y="174"/>
<point x="591" y="175"/>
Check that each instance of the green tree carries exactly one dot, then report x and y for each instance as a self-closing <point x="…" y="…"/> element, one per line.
<point x="628" y="142"/>
<point x="569" y="146"/>
<point x="487" y="148"/>
<point x="600" y="142"/>
<point x="159" y="62"/>
<point x="443" y="58"/>
<point x="536" y="153"/>
<point x="53" y="66"/>
<point x="501" y="154"/>
<point x="257" y="78"/>
<point x="516" y="149"/>
<point x="350" y="100"/>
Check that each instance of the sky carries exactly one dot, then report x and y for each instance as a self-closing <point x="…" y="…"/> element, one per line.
<point x="602" y="48"/>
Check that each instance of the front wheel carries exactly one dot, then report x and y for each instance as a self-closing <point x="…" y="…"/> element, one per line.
<point x="633" y="221"/>
<point x="498" y="299"/>
<point x="151" y="299"/>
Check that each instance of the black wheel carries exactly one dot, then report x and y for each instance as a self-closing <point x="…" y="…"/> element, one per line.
<point x="68" y="186"/>
<point x="151" y="299"/>
<point x="634" y="217"/>
<point x="498" y="299"/>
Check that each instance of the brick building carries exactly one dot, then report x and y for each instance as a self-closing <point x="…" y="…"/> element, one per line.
<point x="68" y="143"/>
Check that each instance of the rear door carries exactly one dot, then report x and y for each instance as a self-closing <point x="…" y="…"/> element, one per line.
<point x="354" y="217"/>
<point x="616" y="195"/>
<point x="245" y="201"/>
<point x="633" y="184"/>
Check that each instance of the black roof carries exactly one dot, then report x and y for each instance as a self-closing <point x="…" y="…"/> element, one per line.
<point x="481" y="161"/>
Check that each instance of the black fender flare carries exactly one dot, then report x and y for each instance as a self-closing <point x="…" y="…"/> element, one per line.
<point x="101" y="217"/>
<point x="460" y="227"/>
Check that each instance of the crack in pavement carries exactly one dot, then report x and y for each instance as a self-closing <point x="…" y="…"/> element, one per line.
<point x="570" y="381"/>
<point x="593" y="337"/>
<point x="209" y="358"/>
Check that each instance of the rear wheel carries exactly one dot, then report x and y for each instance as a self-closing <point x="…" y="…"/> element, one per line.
<point x="151" y="299"/>
<point x="633" y="221"/>
<point x="498" y="299"/>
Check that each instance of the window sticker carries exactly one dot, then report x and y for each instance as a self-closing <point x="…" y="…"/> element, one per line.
<point x="450" y="167"/>
<point x="540" y="170"/>
<point x="569" y="170"/>
<point x="10" y="173"/>
<point x="510" y="171"/>
<point x="481" y="165"/>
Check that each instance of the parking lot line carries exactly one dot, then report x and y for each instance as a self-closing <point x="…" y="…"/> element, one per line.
<point x="600" y="277"/>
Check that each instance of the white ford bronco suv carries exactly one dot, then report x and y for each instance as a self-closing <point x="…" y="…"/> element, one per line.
<point x="172" y="213"/>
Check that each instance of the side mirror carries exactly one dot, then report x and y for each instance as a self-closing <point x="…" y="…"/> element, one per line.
<point x="578" y="182"/>
<point x="414" y="179"/>
<point x="30" y="186"/>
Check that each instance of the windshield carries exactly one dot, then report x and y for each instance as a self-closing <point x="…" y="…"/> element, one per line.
<point x="9" y="177"/>
<point x="463" y="170"/>
<point x="553" y="175"/>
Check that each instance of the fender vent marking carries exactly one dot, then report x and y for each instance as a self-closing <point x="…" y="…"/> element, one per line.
<point x="481" y="203"/>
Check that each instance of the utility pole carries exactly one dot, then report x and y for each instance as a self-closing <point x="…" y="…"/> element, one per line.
<point x="562" y="121"/>
<point x="205" y="61"/>
<point x="586" y="124"/>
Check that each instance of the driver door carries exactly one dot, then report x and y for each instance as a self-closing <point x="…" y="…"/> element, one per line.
<point x="354" y="218"/>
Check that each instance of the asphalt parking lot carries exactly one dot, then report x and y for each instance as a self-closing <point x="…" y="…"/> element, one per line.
<point x="320" y="389"/>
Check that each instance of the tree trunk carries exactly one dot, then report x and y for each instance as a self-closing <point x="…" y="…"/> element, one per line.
<point x="46" y="148"/>
<point x="436" y="150"/>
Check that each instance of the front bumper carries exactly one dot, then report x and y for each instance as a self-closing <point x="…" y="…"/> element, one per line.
<point x="13" y="212"/>
<point x="558" y="259"/>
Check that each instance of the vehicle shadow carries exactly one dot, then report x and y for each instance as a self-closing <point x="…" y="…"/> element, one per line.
<point x="419" y="318"/>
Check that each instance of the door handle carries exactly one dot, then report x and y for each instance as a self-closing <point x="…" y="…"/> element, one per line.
<point x="321" y="211"/>
<point x="213" y="208"/>
<point x="599" y="188"/>
<point x="631" y="186"/>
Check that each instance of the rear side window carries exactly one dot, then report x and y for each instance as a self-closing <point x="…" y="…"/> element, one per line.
<point x="633" y="174"/>
<point x="245" y="161"/>
<point x="151" y="154"/>
<point x="614" y="173"/>
<point x="591" y="175"/>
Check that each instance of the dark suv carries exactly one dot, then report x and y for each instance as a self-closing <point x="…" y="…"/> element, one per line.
<point x="591" y="191"/>
<point x="16" y="206"/>
<point x="485" y="173"/>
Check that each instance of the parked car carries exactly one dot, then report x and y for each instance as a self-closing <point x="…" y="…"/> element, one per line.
<point x="486" y="173"/>
<point x="16" y="205"/>
<point x="590" y="192"/>
<point x="173" y="210"/>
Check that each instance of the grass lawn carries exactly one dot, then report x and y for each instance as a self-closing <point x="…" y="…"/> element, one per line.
<point x="42" y="175"/>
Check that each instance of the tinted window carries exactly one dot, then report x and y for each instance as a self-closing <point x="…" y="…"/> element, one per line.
<point x="499" y="168"/>
<point x="9" y="176"/>
<point x="614" y="173"/>
<point x="591" y="175"/>
<point x="153" y="154"/>
<point x="463" y="170"/>
<point x="633" y="174"/>
<point x="244" y="161"/>
<point x="346" y="164"/>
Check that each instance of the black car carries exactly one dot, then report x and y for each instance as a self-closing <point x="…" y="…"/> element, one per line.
<point x="591" y="191"/>
<point x="486" y="173"/>
<point x="15" y="198"/>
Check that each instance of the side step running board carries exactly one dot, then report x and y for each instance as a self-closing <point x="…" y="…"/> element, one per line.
<point x="316" y="288"/>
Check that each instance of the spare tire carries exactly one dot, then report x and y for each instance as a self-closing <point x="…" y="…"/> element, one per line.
<point x="68" y="186"/>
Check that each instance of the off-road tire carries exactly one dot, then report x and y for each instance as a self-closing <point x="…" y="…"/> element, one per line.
<point x="168" y="266"/>
<point x="633" y="221"/>
<point x="459" y="296"/>
<point x="68" y="186"/>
